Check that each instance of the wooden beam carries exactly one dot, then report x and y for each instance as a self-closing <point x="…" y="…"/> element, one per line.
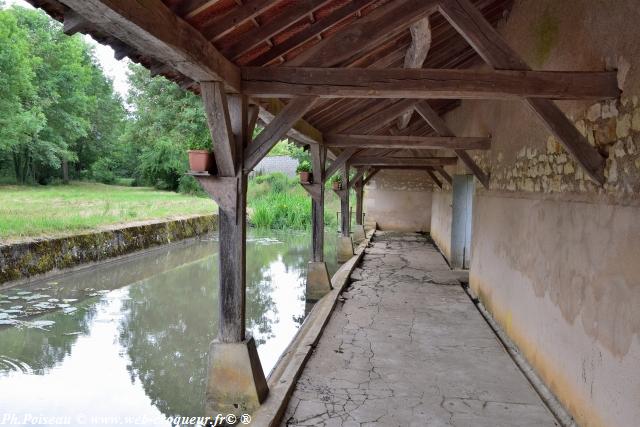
<point x="339" y="161"/>
<point x="441" y="128"/>
<point x="416" y="55"/>
<point x="443" y="173"/>
<point x="275" y="130"/>
<point x="491" y="46"/>
<point x="357" y="177"/>
<point x="310" y="32"/>
<point x="217" y="111"/>
<point x="434" y="178"/>
<point x="379" y="120"/>
<point x="421" y="83"/>
<point x="318" y="160"/>
<point x="402" y="161"/>
<point x="234" y="18"/>
<point x="152" y="28"/>
<point x="289" y="15"/>
<point x="407" y="142"/>
<point x="365" y="33"/>
<point x="371" y="174"/>
<point x="299" y="132"/>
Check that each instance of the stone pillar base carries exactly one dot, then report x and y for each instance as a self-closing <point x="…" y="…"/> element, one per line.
<point x="358" y="233"/>
<point x="236" y="383"/>
<point x="318" y="281"/>
<point x="345" y="248"/>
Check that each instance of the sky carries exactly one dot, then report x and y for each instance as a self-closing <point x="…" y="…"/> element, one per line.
<point x="114" y="69"/>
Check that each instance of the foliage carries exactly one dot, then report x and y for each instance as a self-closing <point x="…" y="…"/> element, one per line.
<point x="303" y="166"/>
<point x="56" y="105"/>
<point x="278" y="202"/>
<point x="165" y="123"/>
<point x="336" y="178"/>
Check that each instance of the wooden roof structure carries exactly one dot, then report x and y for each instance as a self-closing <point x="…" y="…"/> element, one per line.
<point x="351" y="67"/>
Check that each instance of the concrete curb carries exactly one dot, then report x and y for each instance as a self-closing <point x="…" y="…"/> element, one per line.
<point x="289" y="367"/>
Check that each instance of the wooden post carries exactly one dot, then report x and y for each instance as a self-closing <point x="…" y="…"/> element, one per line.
<point x="359" y="196"/>
<point x="236" y="381"/>
<point x="318" y="280"/>
<point x="318" y="156"/>
<point x="345" y="244"/>
<point x="345" y="224"/>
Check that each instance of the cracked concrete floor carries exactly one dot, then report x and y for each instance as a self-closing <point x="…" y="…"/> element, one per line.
<point x="406" y="347"/>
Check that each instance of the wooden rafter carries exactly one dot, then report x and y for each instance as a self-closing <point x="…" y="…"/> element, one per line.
<point x="426" y="83"/>
<point x="409" y="162"/>
<point x="376" y="121"/>
<point x="234" y="18"/>
<point x="443" y="173"/>
<point x="490" y="45"/>
<point x="416" y="55"/>
<point x="313" y="30"/>
<point x="407" y="142"/>
<point x="365" y="33"/>
<point x="369" y="177"/>
<point x="153" y="28"/>
<point x="342" y="158"/>
<point x="275" y="130"/>
<point x="434" y="178"/>
<point x="441" y="128"/>
<point x="296" y="11"/>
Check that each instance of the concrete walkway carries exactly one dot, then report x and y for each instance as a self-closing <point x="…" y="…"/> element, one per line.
<point x="406" y="347"/>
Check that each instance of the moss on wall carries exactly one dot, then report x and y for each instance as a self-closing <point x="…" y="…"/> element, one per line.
<point x="27" y="259"/>
<point x="545" y="30"/>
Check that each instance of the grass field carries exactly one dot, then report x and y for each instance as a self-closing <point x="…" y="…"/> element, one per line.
<point x="67" y="209"/>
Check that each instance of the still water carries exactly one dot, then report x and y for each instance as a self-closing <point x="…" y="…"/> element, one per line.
<point x="130" y="339"/>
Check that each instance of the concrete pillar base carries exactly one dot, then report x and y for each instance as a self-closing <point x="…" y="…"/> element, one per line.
<point x="236" y="383"/>
<point x="359" y="234"/>
<point x="345" y="248"/>
<point x="318" y="281"/>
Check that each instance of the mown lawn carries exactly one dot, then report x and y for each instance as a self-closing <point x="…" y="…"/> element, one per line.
<point x="66" y="209"/>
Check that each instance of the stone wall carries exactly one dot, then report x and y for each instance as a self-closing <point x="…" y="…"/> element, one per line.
<point x="399" y="200"/>
<point x="554" y="253"/>
<point x="23" y="260"/>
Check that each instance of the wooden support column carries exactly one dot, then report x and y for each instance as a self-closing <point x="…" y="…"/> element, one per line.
<point x="345" y="244"/>
<point x="236" y="383"/>
<point x="318" y="156"/>
<point x="318" y="280"/>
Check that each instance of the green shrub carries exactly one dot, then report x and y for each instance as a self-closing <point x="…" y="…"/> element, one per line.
<point x="104" y="170"/>
<point x="303" y="166"/>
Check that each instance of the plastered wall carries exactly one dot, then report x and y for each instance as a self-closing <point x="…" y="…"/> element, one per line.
<point x="555" y="256"/>
<point x="399" y="200"/>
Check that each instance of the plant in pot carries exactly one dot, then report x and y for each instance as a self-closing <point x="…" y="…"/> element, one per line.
<point x="304" y="169"/>
<point x="200" y="156"/>
<point x="336" y="182"/>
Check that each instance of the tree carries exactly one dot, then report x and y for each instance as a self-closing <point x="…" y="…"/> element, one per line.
<point x="57" y="106"/>
<point x="166" y="120"/>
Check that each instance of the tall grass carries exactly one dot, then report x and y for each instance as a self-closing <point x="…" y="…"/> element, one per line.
<point x="278" y="202"/>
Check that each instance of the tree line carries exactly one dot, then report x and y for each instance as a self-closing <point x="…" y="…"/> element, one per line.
<point x="60" y="118"/>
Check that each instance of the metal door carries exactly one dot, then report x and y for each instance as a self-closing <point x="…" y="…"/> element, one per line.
<point x="461" y="224"/>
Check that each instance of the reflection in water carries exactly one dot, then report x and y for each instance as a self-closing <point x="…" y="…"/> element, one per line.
<point x="131" y="339"/>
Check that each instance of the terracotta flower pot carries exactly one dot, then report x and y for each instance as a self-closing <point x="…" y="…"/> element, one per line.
<point x="337" y="185"/>
<point x="199" y="160"/>
<point x="306" y="177"/>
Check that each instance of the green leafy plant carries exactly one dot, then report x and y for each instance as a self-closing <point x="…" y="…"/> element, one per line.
<point x="336" y="178"/>
<point x="303" y="166"/>
<point x="200" y="144"/>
